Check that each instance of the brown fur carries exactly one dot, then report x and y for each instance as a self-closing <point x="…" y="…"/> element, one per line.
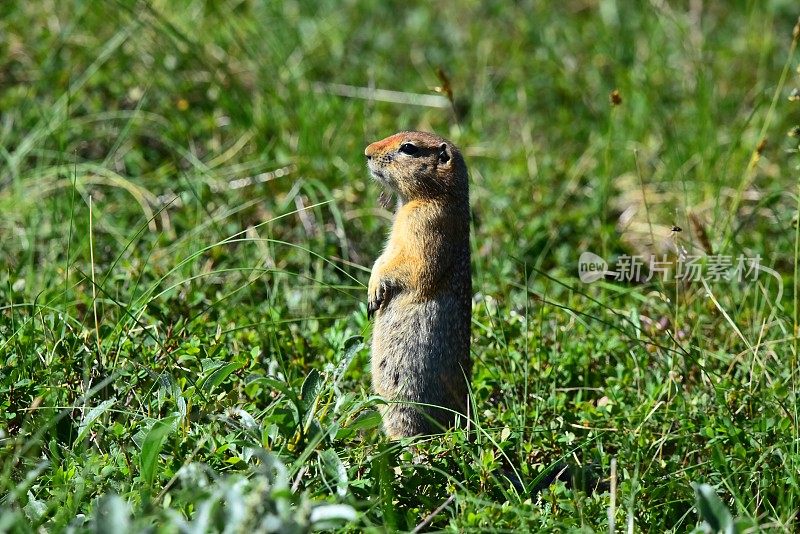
<point x="420" y="290"/>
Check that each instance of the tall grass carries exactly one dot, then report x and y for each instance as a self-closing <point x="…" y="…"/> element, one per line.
<point x="187" y="228"/>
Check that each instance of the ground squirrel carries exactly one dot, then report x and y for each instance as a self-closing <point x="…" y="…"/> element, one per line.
<point x="420" y="291"/>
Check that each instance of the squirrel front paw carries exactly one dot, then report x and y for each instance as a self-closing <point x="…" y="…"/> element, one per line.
<point x="379" y="295"/>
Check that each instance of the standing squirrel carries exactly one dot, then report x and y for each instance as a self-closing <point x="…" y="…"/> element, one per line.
<point x="420" y="291"/>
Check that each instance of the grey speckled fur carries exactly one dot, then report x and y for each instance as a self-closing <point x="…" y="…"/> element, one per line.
<point x="423" y="357"/>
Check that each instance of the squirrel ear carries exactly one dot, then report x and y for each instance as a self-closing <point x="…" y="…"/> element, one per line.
<point x="444" y="153"/>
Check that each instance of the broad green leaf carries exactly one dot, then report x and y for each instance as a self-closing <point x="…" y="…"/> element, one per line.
<point x="151" y="447"/>
<point x="112" y="515"/>
<point x="332" y="512"/>
<point x="91" y="417"/>
<point x="365" y="420"/>
<point x="218" y="375"/>
<point x="277" y="385"/>
<point x="335" y="468"/>
<point x="351" y="347"/>
<point x="712" y="510"/>
<point x="312" y="385"/>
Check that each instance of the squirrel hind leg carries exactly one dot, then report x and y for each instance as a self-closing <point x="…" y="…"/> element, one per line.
<point x="402" y="421"/>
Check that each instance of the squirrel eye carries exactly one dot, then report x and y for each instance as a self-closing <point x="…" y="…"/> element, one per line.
<point x="408" y="148"/>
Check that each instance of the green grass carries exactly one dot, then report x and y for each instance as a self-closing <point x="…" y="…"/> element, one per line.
<point x="187" y="228"/>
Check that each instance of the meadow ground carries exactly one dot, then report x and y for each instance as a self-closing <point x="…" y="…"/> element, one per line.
<point x="187" y="226"/>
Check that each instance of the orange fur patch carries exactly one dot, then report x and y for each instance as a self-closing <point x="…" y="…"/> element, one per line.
<point x="383" y="145"/>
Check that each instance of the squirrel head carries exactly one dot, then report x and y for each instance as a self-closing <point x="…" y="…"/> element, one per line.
<point x="418" y="165"/>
